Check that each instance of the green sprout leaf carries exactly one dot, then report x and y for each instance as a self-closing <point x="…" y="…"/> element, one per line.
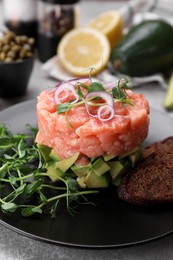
<point x="9" y="207"/>
<point x="5" y="142"/>
<point x="61" y="108"/>
<point x="30" y="210"/>
<point x="80" y="93"/>
<point x="96" y="86"/>
<point x="33" y="187"/>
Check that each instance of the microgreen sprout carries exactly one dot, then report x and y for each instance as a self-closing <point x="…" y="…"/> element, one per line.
<point x="24" y="182"/>
<point x="120" y="93"/>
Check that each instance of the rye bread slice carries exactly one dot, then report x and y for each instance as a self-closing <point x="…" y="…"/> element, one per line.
<point x="151" y="182"/>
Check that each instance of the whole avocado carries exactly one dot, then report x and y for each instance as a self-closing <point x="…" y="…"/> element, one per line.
<point x="146" y="49"/>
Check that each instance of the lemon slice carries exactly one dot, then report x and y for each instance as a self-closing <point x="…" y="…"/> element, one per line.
<point x="109" y="23"/>
<point x="168" y="101"/>
<point x="84" y="48"/>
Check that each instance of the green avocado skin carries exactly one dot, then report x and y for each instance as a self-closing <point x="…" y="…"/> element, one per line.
<point x="146" y="49"/>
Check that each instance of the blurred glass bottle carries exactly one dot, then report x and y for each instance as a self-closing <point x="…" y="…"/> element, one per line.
<point x="20" y="16"/>
<point x="55" y="18"/>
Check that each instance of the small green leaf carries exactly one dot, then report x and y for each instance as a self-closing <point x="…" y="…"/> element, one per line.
<point x="13" y="180"/>
<point x="72" y="184"/>
<point x="21" y="189"/>
<point x="9" y="207"/>
<point x="9" y="157"/>
<point x="117" y="93"/>
<point x="80" y="93"/>
<point x="2" y="130"/>
<point x="33" y="187"/>
<point x="61" y="108"/>
<point x="96" y="86"/>
<point x="42" y="197"/>
<point x="73" y="197"/>
<point x="85" y="86"/>
<point x="29" y="211"/>
<point x="53" y="209"/>
<point x="5" y="142"/>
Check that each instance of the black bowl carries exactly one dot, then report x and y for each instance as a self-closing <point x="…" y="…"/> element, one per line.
<point x="14" y="77"/>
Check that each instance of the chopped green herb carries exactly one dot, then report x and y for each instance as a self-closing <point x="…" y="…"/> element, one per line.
<point x="61" y="108"/>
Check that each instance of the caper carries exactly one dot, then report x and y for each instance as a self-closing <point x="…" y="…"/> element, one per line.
<point x="12" y="43"/>
<point x="24" y="38"/>
<point x="4" y="41"/>
<point x="2" y="56"/>
<point x="11" y="54"/>
<point x="8" y="38"/>
<point x="8" y="59"/>
<point x="6" y="48"/>
<point x="10" y="34"/>
<point x="22" y="53"/>
<point x="27" y="46"/>
<point x="16" y="48"/>
<point x="18" y="40"/>
<point x="29" y="54"/>
<point x="31" y="41"/>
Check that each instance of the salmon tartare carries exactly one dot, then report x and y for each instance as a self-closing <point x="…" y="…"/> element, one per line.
<point x="93" y="121"/>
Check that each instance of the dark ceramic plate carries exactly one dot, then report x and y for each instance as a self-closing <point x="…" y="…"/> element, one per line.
<point x="111" y="223"/>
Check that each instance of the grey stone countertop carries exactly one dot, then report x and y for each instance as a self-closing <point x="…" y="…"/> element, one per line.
<point x="14" y="246"/>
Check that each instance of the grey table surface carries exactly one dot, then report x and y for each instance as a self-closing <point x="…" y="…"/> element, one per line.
<point x="14" y="246"/>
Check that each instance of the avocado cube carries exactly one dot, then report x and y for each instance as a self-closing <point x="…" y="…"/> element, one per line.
<point x="65" y="164"/>
<point x="53" y="156"/>
<point x="81" y="170"/>
<point x="54" y="173"/>
<point x="108" y="157"/>
<point x="134" y="157"/>
<point x="118" y="167"/>
<point x="92" y="180"/>
<point x="117" y="181"/>
<point x="100" y="167"/>
<point x="45" y="151"/>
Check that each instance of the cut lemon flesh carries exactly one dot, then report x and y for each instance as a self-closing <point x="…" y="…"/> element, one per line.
<point x="109" y="23"/>
<point x="168" y="101"/>
<point x="82" y="49"/>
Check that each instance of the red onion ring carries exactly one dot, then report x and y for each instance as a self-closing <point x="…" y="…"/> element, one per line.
<point x="102" y="94"/>
<point x="109" y="102"/>
<point x="49" y="91"/>
<point x="109" y="110"/>
<point x="66" y="87"/>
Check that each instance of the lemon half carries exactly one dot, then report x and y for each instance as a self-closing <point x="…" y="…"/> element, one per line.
<point x="109" y="23"/>
<point x="84" y="48"/>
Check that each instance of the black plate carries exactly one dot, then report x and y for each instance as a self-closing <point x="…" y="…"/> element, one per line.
<point x="111" y="223"/>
